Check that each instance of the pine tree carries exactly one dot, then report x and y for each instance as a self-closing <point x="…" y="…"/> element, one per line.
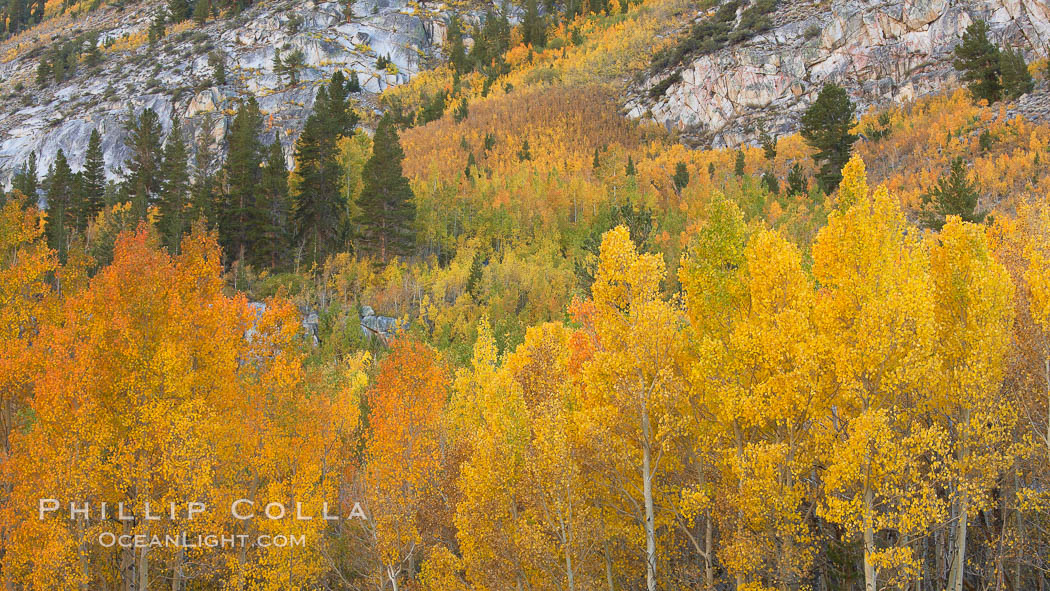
<point x="27" y="179"/>
<point x="954" y="194"/>
<point x="143" y="180"/>
<point x="826" y="126"/>
<point x="978" y="58"/>
<point x="242" y="176"/>
<point x="179" y="10"/>
<point x="1016" y="79"/>
<point x="681" y="177"/>
<point x="218" y="65"/>
<point x="341" y="116"/>
<point x="293" y="63"/>
<point x="596" y="163"/>
<point x="525" y="153"/>
<point x="173" y="199"/>
<point x="796" y="180"/>
<point x="739" y="164"/>
<point x="43" y="73"/>
<point x="457" y="53"/>
<point x="156" y="28"/>
<point x="386" y="222"/>
<point x="274" y="241"/>
<point x="769" y="145"/>
<point x="770" y="182"/>
<point x="473" y="286"/>
<point x="471" y="164"/>
<point x="321" y="211"/>
<point x="60" y="217"/>
<point x="202" y="193"/>
<point x="201" y="10"/>
<point x="462" y="110"/>
<point x="630" y="166"/>
<point x="354" y="85"/>
<point x="93" y="187"/>
<point x="278" y="66"/>
<point x="533" y="26"/>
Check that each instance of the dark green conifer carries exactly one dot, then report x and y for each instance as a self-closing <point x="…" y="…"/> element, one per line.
<point x="143" y="179"/>
<point x="1016" y="79"/>
<point x="60" y="213"/>
<point x="681" y="177"/>
<point x="26" y="179"/>
<point x="321" y="211"/>
<point x="978" y="58"/>
<point x="387" y="208"/>
<point x="954" y="194"/>
<point x="457" y="53"/>
<point x="274" y="241"/>
<point x="242" y="175"/>
<point x="173" y="200"/>
<point x="796" y="180"/>
<point x="826" y="126"/>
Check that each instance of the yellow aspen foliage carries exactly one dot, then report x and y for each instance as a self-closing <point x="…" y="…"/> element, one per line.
<point x="632" y="381"/>
<point x="875" y="318"/>
<point x="25" y="294"/>
<point x="974" y="314"/>
<point x="406" y="403"/>
<point x="156" y="389"/>
<point x="854" y="185"/>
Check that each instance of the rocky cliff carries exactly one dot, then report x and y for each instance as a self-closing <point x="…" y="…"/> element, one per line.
<point x="879" y="50"/>
<point x="174" y="78"/>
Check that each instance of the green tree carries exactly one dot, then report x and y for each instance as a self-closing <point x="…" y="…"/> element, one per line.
<point x="156" y="28"/>
<point x="387" y="208"/>
<point x="525" y="153"/>
<point x="173" y="201"/>
<point x="796" y="180"/>
<point x="740" y="163"/>
<point x="274" y="243"/>
<point x="202" y="193"/>
<point x="143" y="181"/>
<point x="978" y="59"/>
<point x="60" y="215"/>
<point x="769" y="145"/>
<point x="321" y="211"/>
<point x="218" y="66"/>
<point x="1016" y="79"/>
<point x="462" y="111"/>
<point x="27" y="179"/>
<point x="201" y="10"/>
<point x="533" y="26"/>
<point x="456" y="52"/>
<point x="630" y="171"/>
<point x="826" y="127"/>
<point x="93" y="185"/>
<point x="354" y="84"/>
<point x="179" y="10"/>
<point x="680" y="178"/>
<point x="954" y="194"/>
<point x="241" y="174"/>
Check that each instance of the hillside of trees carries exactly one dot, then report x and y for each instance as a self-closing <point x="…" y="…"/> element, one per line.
<point x="817" y="362"/>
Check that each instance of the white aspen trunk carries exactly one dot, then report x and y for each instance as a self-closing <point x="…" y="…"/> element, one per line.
<point x="647" y="494"/>
<point x="869" y="541"/>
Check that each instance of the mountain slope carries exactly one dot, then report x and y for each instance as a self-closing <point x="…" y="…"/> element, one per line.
<point x="174" y="76"/>
<point x="882" y="51"/>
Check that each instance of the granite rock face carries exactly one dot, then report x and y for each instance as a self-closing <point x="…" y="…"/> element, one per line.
<point x="174" y="77"/>
<point x="881" y="51"/>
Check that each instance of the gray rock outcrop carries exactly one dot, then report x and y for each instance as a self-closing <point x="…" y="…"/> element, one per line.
<point x="174" y="77"/>
<point x="880" y="50"/>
